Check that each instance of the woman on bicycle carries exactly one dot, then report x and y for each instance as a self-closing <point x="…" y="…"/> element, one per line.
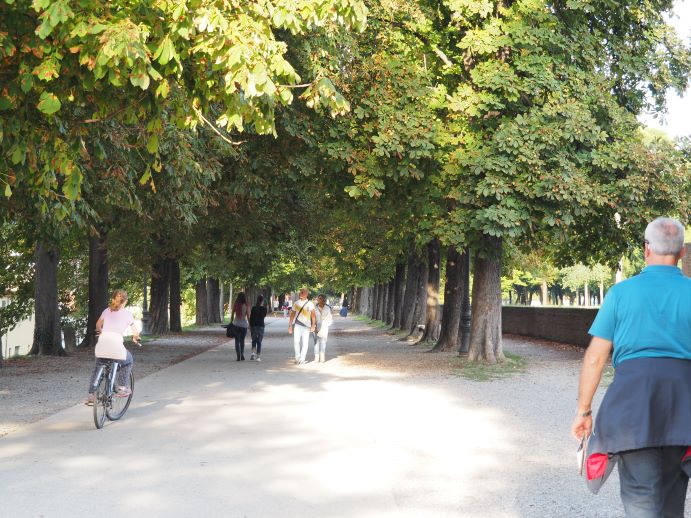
<point x="111" y="326"/>
<point x="239" y="319"/>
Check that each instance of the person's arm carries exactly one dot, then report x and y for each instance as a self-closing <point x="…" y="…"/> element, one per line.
<point x="313" y="318"/>
<point x="594" y="361"/>
<point x="291" y="315"/>
<point x="99" y="325"/>
<point x="135" y="332"/>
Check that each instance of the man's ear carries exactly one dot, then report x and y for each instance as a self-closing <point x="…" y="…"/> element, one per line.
<point x="682" y="252"/>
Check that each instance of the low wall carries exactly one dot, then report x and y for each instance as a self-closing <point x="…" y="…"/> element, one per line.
<point x="559" y="324"/>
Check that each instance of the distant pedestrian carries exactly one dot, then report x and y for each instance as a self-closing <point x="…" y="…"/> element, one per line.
<point x="644" y="421"/>
<point x="301" y="324"/>
<point x="239" y="319"/>
<point x="257" y="317"/>
<point x="324" y="320"/>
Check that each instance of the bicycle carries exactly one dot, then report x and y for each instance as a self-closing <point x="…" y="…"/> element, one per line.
<point x="107" y="403"/>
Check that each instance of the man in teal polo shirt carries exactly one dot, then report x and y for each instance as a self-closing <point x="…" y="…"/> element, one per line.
<point x="644" y="421"/>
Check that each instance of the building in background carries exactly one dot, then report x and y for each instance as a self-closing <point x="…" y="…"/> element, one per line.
<point x="18" y="341"/>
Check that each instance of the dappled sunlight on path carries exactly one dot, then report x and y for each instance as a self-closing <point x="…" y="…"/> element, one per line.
<point x="348" y="438"/>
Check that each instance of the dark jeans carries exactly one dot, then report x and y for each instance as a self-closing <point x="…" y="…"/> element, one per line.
<point x="257" y="337"/>
<point x="653" y="484"/>
<point x="240" y="334"/>
<point x="123" y="371"/>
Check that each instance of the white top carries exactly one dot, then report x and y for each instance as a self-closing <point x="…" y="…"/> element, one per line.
<point x="324" y="316"/>
<point x="116" y="321"/>
<point x="303" y="308"/>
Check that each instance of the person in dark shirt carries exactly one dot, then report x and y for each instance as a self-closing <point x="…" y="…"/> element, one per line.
<point x="257" y="327"/>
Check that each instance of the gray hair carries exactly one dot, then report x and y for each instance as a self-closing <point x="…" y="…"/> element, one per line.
<point x="665" y="236"/>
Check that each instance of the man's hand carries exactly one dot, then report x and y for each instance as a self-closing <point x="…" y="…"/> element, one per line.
<point x="137" y="340"/>
<point x="582" y="426"/>
<point x="290" y="329"/>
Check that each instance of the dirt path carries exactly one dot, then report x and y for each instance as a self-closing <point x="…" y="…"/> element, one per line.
<point x="382" y="429"/>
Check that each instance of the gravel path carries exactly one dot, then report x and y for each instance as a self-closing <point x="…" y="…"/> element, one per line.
<point x="32" y="388"/>
<point x="382" y="429"/>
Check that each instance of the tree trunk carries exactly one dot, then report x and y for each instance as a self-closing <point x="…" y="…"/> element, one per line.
<point x="432" y="290"/>
<point x="602" y="292"/>
<point x="451" y="312"/>
<point x="421" y="296"/>
<point x="390" y="302"/>
<point x="175" y="297"/>
<point x="399" y="282"/>
<point x="485" y="334"/>
<point x="98" y="284"/>
<point x="158" y="309"/>
<point x="202" y="303"/>
<point x="357" y="300"/>
<point x="381" y="293"/>
<point x="212" y="295"/>
<point x="47" y="335"/>
<point x="545" y="294"/>
<point x="221" y="301"/>
<point x="410" y="292"/>
<point x="586" y="295"/>
<point x="466" y="315"/>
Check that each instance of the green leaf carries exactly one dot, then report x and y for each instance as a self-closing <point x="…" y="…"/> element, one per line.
<point x="152" y="144"/>
<point x="8" y="190"/>
<point x="49" y="103"/>
<point x="165" y="51"/>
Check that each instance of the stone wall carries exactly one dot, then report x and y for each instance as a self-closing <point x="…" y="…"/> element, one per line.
<point x="559" y="324"/>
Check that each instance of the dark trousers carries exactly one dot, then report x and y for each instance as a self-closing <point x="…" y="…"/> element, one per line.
<point x="240" y="334"/>
<point x="257" y="337"/>
<point x="653" y="484"/>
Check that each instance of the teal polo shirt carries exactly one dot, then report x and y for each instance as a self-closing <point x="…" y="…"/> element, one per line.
<point x="647" y="316"/>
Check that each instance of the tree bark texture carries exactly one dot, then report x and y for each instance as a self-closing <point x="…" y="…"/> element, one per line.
<point x="357" y="300"/>
<point x="47" y="335"/>
<point x="485" y="334"/>
<point x="175" y="297"/>
<point x="432" y="290"/>
<point x="390" y="302"/>
<point x="212" y="295"/>
<point x="451" y="312"/>
<point x="466" y="316"/>
<point x="381" y="301"/>
<point x="158" y="306"/>
<point x="98" y="284"/>
<point x="410" y="292"/>
<point x="399" y="287"/>
<point x="201" y="303"/>
<point x="421" y="296"/>
<point x="374" y="294"/>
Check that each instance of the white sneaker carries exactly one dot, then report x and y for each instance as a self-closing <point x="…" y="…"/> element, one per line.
<point x="252" y="357"/>
<point x="259" y="359"/>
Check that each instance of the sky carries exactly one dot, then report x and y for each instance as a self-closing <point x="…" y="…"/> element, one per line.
<point x="677" y="122"/>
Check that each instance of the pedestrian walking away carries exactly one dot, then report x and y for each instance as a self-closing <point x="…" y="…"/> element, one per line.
<point x="257" y="317"/>
<point x="324" y="320"/>
<point x="111" y="326"/>
<point x="239" y="319"/>
<point x="301" y="324"/>
<point x="643" y="425"/>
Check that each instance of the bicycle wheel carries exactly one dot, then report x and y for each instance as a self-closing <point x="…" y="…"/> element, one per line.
<point x="101" y="401"/>
<point x="119" y="405"/>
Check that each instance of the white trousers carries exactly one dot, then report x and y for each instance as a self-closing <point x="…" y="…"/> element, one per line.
<point x="301" y="341"/>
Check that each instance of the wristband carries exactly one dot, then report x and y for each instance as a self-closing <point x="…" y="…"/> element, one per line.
<point x="584" y="414"/>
